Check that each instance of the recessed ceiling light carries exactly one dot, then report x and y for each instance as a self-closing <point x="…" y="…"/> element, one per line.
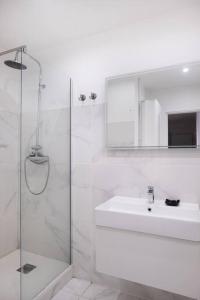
<point x="185" y="70"/>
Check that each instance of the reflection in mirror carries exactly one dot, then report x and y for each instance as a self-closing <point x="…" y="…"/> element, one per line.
<point x="159" y="108"/>
<point x="182" y="129"/>
<point x="123" y="112"/>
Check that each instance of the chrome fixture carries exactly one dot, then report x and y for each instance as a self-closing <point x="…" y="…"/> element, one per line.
<point x="82" y="97"/>
<point x="40" y="88"/>
<point x="150" y="194"/>
<point x="93" y="96"/>
<point x="21" y="48"/>
<point x="35" y="156"/>
<point x="15" y="64"/>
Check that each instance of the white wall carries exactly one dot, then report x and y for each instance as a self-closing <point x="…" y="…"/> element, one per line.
<point x="169" y="39"/>
<point x="98" y="174"/>
<point x="177" y="99"/>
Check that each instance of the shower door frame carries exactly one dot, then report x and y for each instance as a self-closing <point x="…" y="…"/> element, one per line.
<point x="19" y="49"/>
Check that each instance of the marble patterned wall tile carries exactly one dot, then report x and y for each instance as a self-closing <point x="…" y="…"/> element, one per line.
<point x="162" y="173"/>
<point x="81" y="134"/>
<point x="9" y="138"/>
<point x="9" y="156"/>
<point x="98" y="131"/>
<point x="8" y="208"/>
<point x="9" y="159"/>
<point x="10" y="85"/>
<point x="82" y="219"/>
<point x="46" y="217"/>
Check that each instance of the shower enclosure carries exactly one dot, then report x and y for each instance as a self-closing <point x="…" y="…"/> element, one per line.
<point x="34" y="174"/>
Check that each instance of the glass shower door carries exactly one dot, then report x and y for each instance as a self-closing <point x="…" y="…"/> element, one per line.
<point x="45" y="176"/>
<point x="10" y="103"/>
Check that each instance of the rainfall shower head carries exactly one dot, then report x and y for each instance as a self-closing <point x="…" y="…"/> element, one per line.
<point x="15" y="64"/>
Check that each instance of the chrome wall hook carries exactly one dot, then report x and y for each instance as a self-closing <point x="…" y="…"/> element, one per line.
<point x="93" y="96"/>
<point x="82" y="97"/>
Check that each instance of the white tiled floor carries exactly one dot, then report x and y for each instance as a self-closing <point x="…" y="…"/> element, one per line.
<point x="78" y="289"/>
<point x="47" y="269"/>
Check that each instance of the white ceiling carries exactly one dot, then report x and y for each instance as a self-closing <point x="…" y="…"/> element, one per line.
<point x="41" y="23"/>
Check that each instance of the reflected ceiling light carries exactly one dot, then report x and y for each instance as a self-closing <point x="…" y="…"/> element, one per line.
<point x="185" y="70"/>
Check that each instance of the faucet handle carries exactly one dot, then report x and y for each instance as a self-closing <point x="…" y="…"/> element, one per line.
<point x="150" y="189"/>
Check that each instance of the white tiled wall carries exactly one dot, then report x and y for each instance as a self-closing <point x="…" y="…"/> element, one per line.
<point x="45" y="227"/>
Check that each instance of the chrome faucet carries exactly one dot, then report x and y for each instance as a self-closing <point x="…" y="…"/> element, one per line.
<point x="150" y="194"/>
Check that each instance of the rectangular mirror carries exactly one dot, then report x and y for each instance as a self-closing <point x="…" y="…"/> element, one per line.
<point x="154" y="109"/>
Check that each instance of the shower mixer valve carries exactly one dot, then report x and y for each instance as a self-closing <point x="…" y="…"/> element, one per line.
<point x="43" y="86"/>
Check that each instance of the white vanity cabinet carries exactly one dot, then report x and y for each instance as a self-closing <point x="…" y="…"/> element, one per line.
<point x="143" y="253"/>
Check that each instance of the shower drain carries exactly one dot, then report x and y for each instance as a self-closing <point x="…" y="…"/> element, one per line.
<point x="27" y="268"/>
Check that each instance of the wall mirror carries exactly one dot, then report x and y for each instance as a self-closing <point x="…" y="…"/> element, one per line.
<point x="154" y="109"/>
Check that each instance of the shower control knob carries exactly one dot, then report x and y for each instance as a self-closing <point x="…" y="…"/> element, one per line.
<point x="93" y="96"/>
<point x="42" y="86"/>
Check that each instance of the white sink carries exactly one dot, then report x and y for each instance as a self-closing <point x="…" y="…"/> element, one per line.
<point x="182" y="222"/>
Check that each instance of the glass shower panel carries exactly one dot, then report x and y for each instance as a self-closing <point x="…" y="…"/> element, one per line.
<point x="45" y="177"/>
<point x="10" y="100"/>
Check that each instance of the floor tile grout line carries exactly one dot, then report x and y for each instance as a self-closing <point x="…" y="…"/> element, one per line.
<point x="75" y="293"/>
<point x="87" y="288"/>
<point x="106" y="287"/>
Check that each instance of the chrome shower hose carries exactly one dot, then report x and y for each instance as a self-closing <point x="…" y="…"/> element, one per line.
<point x="27" y="184"/>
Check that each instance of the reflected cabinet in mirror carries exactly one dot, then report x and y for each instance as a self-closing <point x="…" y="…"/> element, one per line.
<point x="153" y="109"/>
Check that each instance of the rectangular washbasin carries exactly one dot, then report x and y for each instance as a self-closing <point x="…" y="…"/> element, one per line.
<point x="135" y="214"/>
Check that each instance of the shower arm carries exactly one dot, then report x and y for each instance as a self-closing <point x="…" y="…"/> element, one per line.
<point x="37" y="62"/>
<point x="39" y="95"/>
